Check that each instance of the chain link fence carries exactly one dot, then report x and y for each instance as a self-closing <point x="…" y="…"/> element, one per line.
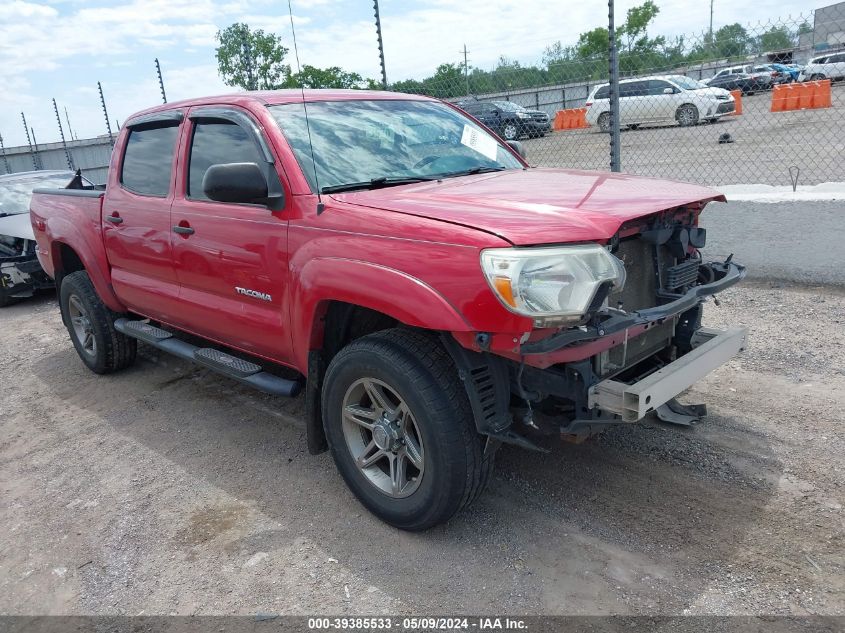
<point x="740" y="104"/>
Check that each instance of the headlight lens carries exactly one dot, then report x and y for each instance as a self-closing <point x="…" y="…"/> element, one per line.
<point x="550" y="282"/>
<point x="523" y="115"/>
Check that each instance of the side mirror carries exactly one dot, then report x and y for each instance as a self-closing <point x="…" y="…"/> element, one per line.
<point x="518" y="147"/>
<point x="668" y="91"/>
<point x="235" y="182"/>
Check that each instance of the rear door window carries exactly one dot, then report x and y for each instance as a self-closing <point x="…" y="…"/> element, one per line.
<point x="217" y="142"/>
<point x="148" y="159"/>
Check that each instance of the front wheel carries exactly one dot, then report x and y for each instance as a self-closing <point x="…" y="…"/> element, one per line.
<point x="687" y="115"/>
<point x="90" y="324"/>
<point x="400" y="429"/>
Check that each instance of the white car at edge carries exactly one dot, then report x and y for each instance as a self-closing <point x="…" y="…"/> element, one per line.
<point x="659" y="99"/>
<point x="830" y="66"/>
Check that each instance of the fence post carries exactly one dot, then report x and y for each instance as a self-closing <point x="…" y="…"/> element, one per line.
<point x="62" y="134"/>
<point x="5" y="160"/>
<point x="105" y="113"/>
<point x="32" y="152"/>
<point x="615" y="154"/>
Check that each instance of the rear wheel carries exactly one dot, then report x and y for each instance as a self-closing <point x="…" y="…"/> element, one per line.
<point x="510" y="131"/>
<point x="687" y="115"/>
<point x="400" y="429"/>
<point x="91" y="326"/>
<point x="604" y="121"/>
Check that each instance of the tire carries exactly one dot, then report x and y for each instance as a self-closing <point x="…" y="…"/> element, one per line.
<point x="410" y="368"/>
<point x="816" y="77"/>
<point x="687" y="115"/>
<point x="5" y="299"/>
<point x="604" y="122"/>
<point x="510" y="131"/>
<point x="91" y="327"/>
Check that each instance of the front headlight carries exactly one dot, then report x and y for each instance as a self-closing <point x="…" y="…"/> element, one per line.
<point x="523" y="115"/>
<point x="551" y="282"/>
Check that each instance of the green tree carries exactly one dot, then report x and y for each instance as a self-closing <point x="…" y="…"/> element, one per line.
<point x="333" y="77"/>
<point x="249" y="59"/>
<point x="634" y="30"/>
<point x="731" y="40"/>
<point x="776" y="38"/>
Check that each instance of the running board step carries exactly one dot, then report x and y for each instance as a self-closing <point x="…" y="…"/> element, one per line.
<point x="215" y="359"/>
<point x="143" y="331"/>
<point x="236" y="368"/>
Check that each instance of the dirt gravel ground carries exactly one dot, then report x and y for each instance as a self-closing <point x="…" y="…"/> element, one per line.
<point x="166" y="489"/>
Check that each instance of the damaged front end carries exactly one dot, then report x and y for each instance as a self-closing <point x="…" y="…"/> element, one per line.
<point x="639" y="346"/>
<point x="21" y="274"/>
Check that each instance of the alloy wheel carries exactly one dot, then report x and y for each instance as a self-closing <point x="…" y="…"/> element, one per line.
<point x="83" y="331"/>
<point x="383" y="438"/>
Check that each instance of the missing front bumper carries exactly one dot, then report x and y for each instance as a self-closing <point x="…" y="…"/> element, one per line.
<point x="633" y="401"/>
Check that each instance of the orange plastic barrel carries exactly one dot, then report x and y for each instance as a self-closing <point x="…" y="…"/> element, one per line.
<point x="737" y="95"/>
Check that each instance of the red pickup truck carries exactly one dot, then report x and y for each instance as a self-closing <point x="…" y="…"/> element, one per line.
<point x="433" y="294"/>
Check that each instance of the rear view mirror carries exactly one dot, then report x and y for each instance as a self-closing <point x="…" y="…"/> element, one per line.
<point x="235" y="182"/>
<point x="668" y="91"/>
<point x="518" y="147"/>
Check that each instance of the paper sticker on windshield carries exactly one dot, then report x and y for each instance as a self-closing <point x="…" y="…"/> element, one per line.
<point x="479" y="141"/>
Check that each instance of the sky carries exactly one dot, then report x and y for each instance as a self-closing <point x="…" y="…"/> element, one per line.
<point x="61" y="48"/>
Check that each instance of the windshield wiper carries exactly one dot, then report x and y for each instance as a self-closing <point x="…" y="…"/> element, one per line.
<point x="471" y="172"/>
<point x="375" y="183"/>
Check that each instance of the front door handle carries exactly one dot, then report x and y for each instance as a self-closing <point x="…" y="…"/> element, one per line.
<point x="114" y="219"/>
<point x="183" y="230"/>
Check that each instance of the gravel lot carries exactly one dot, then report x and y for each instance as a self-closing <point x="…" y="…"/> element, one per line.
<point x="166" y="489"/>
<point x="766" y="145"/>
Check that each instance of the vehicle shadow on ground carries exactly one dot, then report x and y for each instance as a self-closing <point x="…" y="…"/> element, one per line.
<point x="641" y="519"/>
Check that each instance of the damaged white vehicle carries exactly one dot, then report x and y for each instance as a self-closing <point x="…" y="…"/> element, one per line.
<point x="20" y="273"/>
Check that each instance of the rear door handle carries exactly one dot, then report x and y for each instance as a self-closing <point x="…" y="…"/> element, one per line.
<point x="114" y="219"/>
<point x="183" y="230"/>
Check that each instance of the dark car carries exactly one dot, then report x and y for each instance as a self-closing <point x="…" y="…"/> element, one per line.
<point x="745" y="83"/>
<point x="510" y="120"/>
<point x="20" y="273"/>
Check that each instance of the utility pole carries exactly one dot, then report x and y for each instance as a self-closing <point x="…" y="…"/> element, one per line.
<point x="380" y="46"/>
<point x="3" y="152"/>
<point x="466" y="68"/>
<point x="160" y="81"/>
<point x="62" y="135"/>
<point x="105" y="113"/>
<point x="32" y="152"/>
<point x="615" y="153"/>
<point x="711" y="23"/>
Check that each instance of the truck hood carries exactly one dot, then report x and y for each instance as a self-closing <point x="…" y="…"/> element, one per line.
<point x="537" y="206"/>
<point x="17" y="226"/>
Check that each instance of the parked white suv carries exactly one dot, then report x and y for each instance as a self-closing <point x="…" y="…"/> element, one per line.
<point x="831" y="66"/>
<point x="659" y="99"/>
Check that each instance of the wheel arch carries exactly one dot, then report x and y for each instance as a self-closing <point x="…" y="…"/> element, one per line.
<point x="338" y="302"/>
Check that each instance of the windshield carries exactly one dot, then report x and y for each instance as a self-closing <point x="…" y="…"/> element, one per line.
<point x="16" y="191"/>
<point x="688" y="83"/>
<point x="508" y="106"/>
<point x="366" y="140"/>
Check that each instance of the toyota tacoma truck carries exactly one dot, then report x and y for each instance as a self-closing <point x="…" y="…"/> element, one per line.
<point x="432" y="294"/>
